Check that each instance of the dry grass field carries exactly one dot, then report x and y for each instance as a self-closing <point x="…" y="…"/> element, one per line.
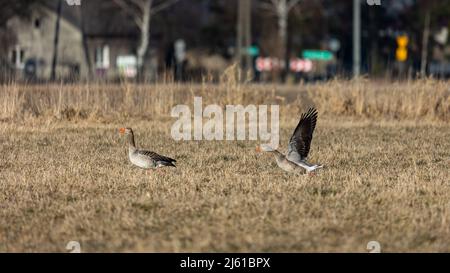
<point x="65" y="175"/>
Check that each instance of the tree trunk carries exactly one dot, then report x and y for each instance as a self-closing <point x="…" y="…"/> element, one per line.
<point x="56" y="42"/>
<point x="144" y="41"/>
<point x="243" y="38"/>
<point x="248" y="34"/>
<point x="282" y="14"/>
<point x="426" y="33"/>
<point x="239" y="32"/>
<point x="85" y="45"/>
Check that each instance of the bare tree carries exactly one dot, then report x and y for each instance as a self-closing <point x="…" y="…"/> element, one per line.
<point x="425" y="35"/>
<point x="56" y="41"/>
<point x="141" y="11"/>
<point x="244" y="33"/>
<point x="84" y="39"/>
<point x="281" y="8"/>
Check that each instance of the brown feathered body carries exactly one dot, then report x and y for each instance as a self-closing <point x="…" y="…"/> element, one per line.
<point x="143" y="158"/>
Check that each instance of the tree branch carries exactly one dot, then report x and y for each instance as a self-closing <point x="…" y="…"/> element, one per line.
<point x="275" y="3"/>
<point x="292" y="4"/>
<point x="266" y="6"/>
<point x="130" y="11"/>
<point x="139" y="3"/>
<point x="162" y="6"/>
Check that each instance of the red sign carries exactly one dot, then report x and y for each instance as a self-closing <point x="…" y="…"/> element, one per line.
<point x="267" y="64"/>
<point x="300" y="65"/>
<point x="295" y="65"/>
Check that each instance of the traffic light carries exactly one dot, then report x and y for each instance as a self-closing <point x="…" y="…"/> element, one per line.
<point x="401" y="54"/>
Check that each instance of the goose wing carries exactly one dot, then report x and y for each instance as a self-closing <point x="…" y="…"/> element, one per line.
<point x="300" y="141"/>
<point x="159" y="159"/>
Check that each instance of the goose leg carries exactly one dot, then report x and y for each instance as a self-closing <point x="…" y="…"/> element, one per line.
<point x="160" y="171"/>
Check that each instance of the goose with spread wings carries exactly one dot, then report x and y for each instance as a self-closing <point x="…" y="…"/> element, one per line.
<point x="298" y="147"/>
<point x="142" y="158"/>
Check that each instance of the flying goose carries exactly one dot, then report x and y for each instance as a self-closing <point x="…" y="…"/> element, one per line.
<point x="298" y="147"/>
<point x="142" y="158"/>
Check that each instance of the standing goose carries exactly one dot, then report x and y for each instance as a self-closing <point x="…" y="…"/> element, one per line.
<point x="142" y="158"/>
<point x="298" y="147"/>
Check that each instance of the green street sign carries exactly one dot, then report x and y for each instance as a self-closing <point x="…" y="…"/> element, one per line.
<point x="253" y="50"/>
<point x="324" y="55"/>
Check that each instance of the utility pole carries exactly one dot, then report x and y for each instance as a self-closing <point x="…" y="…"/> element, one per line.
<point x="243" y="38"/>
<point x="56" y="42"/>
<point x="248" y="33"/>
<point x="356" y="37"/>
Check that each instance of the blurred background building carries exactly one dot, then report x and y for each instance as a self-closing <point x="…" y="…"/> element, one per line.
<point x="275" y="40"/>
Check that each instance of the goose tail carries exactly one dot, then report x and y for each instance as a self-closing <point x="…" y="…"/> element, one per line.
<point x="314" y="167"/>
<point x="168" y="163"/>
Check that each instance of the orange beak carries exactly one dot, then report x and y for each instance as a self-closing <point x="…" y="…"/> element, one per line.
<point x="122" y="130"/>
<point x="258" y="149"/>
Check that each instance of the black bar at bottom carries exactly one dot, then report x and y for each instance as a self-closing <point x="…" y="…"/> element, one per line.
<point x="222" y="262"/>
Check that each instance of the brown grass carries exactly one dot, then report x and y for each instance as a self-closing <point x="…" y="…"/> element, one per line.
<point x="414" y="100"/>
<point x="64" y="173"/>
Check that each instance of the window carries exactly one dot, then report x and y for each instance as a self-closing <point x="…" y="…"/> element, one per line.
<point x="102" y="57"/>
<point x="17" y="56"/>
<point x="13" y="56"/>
<point x="37" y="23"/>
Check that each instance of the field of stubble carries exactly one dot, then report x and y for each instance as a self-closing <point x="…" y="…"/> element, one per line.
<point x="65" y="176"/>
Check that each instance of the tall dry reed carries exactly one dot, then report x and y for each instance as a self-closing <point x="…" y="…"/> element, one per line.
<point x="419" y="99"/>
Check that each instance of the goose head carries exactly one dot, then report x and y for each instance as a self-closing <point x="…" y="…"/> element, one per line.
<point x="126" y="131"/>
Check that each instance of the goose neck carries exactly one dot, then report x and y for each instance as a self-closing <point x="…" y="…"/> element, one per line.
<point x="131" y="143"/>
